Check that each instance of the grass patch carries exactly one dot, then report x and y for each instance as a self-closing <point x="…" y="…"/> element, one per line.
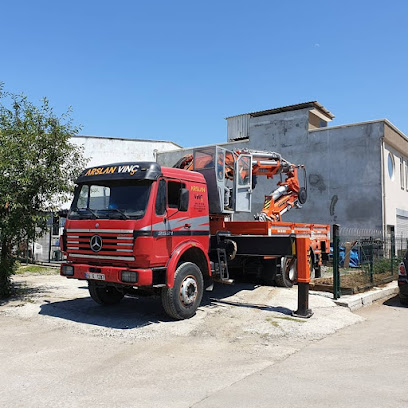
<point x="37" y="270"/>
<point x="272" y="322"/>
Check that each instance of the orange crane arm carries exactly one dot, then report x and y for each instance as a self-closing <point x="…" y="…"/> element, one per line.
<point x="268" y="164"/>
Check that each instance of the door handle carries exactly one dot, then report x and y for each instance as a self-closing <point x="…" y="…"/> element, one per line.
<point x="187" y="225"/>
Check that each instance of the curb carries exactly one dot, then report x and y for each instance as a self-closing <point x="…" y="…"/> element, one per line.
<point x="354" y="302"/>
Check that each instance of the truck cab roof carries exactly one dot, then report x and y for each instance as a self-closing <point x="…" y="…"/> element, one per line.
<point x="135" y="170"/>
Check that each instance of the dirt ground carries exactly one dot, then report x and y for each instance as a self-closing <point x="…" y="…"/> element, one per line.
<point x="62" y="349"/>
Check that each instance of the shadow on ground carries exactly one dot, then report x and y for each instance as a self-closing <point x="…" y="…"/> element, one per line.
<point x="130" y="313"/>
<point x="394" y="302"/>
<point x="134" y="312"/>
<point x="22" y="292"/>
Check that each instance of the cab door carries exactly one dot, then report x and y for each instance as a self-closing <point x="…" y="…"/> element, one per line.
<point x="170" y="225"/>
<point x="243" y="183"/>
<point x="160" y="231"/>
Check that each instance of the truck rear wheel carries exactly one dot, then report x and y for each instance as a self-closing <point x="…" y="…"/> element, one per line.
<point x="104" y="295"/>
<point x="182" y="300"/>
<point x="288" y="276"/>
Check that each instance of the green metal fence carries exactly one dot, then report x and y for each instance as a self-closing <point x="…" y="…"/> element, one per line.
<point x="363" y="259"/>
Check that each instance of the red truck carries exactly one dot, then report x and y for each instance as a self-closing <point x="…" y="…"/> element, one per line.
<point x="138" y="226"/>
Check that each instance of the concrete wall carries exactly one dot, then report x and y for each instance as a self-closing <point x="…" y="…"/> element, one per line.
<point x="343" y="168"/>
<point x="105" y="150"/>
<point x="344" y="175"/>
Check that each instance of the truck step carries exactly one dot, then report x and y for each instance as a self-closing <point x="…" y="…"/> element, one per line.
<point x="225" y="281"/>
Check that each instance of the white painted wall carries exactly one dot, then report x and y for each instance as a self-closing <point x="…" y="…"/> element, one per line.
<point x="395" y="197"/>
<point x="105" y="150"/>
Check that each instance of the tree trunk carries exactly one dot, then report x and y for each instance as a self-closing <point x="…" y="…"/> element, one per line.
<point x="6" y="269"/>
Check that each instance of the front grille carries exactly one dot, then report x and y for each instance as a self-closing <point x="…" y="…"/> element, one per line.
<point x="115" y="244"/>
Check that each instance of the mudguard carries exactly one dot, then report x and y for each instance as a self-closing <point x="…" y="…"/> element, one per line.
<point x="175" y="257"/>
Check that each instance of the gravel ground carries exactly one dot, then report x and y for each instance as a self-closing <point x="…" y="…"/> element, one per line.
<point x="238" y="330"/>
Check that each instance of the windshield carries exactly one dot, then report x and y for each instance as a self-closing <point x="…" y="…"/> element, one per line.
<point x="126" y="200"/>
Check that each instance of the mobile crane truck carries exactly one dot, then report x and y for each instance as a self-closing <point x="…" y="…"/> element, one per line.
<point x="139" y="226"/>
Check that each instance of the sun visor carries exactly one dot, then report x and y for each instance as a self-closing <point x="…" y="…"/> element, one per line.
<point x="121" y="171"/>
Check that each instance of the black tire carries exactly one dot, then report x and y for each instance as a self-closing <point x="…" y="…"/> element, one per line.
<point x="312" y="268"/>
<point x="317" y="272"/>
<point x="104" y="295"/>
<point x="288" y="276"/>
<point x="182" y="300"/>
<point x="268" y="274"/>
<point x="403" y="301"/>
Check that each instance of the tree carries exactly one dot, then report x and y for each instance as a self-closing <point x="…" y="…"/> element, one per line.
<point x="38" y="165"/>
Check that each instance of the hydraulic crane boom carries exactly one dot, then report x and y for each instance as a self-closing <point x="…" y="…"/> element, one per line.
<point x="231" y="176"/>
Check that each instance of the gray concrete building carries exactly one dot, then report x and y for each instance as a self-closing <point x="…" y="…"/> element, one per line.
<point x="357" y="174"/>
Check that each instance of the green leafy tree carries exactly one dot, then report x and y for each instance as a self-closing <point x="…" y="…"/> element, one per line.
<point x="38" y="164"/>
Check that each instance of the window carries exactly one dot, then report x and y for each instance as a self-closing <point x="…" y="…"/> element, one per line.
<point x="406" y="175"/>
<point x="402" y="175"/>
<point x="173" y="193"/>
<point x="83" y="197"/>
<point x="391" y="165"/>
<point x="99" y="197"/>
<point x="220" y="166"/>
<point x="122" y="200"/>
<point x="161" y="198"/>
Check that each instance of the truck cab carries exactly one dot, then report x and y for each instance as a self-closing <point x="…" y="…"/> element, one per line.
<point x="138" y="225"/>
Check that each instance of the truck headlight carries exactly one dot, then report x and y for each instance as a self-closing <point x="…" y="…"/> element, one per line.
<point x="67" y="270"/>
<point x="128" y="276"/>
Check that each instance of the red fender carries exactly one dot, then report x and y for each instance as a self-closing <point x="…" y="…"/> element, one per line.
<point x="175" y="257"/>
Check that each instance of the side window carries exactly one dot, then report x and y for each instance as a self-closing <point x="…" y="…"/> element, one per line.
<point x="173" y="193"/>
<point x="83" y="197"/>
<point x="161" y="198"/>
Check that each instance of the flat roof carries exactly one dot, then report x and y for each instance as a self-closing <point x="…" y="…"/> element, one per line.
<point x="303" y="105"/>
<point x="126" y="139"/>
<point x="386" y="121"/>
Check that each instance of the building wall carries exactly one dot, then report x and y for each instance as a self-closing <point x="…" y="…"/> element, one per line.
<point x="344" y="175"/>
<point x="395" y="182"/>
<point x="105" y="150"/>
<point x="343" y="168"/>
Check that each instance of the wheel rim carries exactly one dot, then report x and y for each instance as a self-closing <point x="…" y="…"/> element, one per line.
<point x="292" y="272"/>
<point x="188" y="291"/>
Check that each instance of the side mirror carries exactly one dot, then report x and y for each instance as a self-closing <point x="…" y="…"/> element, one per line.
<point x="183" y="199"/>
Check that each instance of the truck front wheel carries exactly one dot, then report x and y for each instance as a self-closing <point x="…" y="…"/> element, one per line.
<point x="182" y="300"/>
<point x="104" y="295"/>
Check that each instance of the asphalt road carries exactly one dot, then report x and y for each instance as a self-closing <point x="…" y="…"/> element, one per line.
<point x="58" y="348"/>
<point x="364" y="365"/>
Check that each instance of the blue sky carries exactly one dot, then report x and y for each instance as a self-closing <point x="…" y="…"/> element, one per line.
<point x="173" y="70"/>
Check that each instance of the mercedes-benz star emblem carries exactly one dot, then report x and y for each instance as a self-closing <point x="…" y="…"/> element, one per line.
<point x="96" y="243"/>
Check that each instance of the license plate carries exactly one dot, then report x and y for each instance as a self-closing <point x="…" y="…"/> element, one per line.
<point x="94" y="276"/>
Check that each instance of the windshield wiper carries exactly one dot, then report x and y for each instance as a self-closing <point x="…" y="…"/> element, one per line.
<point x="78" y="210"/>
<point x="120" y="212"/>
